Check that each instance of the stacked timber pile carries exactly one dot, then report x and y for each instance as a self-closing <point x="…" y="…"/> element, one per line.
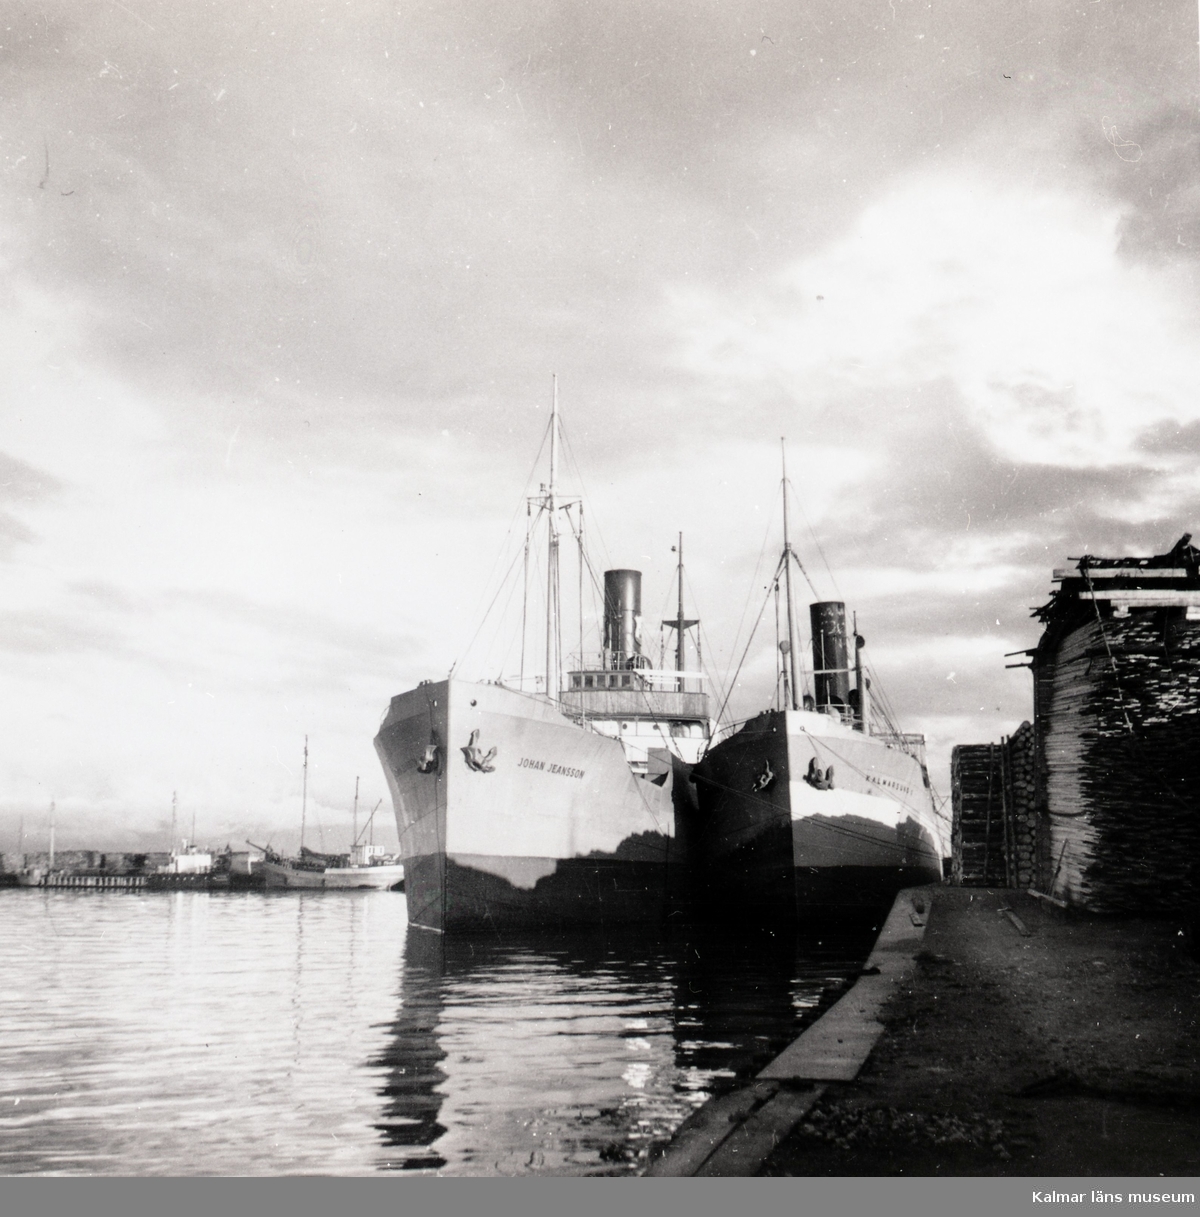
<point x="994" y="835"/>
<point x="977" y="836"/>
<point x="1117" y="717"/>
<point x="1021" y="806"/>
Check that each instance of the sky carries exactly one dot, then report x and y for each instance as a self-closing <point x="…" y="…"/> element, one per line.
<point x="282" y="289"/>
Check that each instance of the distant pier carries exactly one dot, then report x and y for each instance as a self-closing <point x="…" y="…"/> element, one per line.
<point x="87" y="870"/>
<point x="107" y="883"/>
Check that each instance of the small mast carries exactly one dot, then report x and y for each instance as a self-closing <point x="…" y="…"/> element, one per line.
<point x="680" y="624"/>
<point x="304" y="797"/>
<point x="679" y="619"/>
<point x="793" y="682"/>
<point x="354" y="839"/>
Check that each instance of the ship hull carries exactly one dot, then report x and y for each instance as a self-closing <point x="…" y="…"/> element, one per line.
<point x="777" y="841"/>
<point x="342" y="878"/>
<point x="510" y="814"/>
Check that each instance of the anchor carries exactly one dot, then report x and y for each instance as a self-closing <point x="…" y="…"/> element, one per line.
<point x="765" y="780"/>
<point x="818" y="778"/>
<point x="429" y="761"/>
<point x="480" y="762"/>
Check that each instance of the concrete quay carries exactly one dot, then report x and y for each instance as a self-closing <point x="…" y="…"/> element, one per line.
<point x="990" y="1033"/>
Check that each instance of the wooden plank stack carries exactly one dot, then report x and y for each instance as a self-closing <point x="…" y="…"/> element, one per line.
<point x="1020" y="801"/>
<point x="994" y="834"/>
<point x="977" y="853"/>
<point x="1117" y="729"/>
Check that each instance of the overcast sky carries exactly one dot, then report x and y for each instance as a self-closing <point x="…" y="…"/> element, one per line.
<point x="283" y="287"/>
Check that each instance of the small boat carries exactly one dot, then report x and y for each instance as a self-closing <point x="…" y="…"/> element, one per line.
<point x="325" y="872"/>
<point x="365" y="866"/>
<point x="816" y="810"/>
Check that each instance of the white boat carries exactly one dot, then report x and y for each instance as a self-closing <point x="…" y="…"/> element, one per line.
<point x="366" y="866"/>
<point x="311" y="872"/>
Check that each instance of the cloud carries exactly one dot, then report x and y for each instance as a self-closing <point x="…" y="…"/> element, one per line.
<point x="1056" y="351"/>
<point x="20" y="483"/>
<point x="47" y="632"/>
<point x="282" y="290"/>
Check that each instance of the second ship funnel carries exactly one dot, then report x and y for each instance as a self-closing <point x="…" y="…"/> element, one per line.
<point x="831" y="664"/>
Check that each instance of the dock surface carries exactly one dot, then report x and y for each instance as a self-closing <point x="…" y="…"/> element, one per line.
<point x="1002" y="1037"/>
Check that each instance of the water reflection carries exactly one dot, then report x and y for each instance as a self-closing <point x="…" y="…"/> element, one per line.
<point x="259" y="1033"/>
<point x="412" y="1061"/>
<point x="573" y="1055"/>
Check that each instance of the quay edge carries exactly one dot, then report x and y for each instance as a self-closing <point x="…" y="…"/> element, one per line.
<point x="734" y="1134"/>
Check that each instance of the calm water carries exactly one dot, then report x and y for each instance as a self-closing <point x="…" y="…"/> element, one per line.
<point x="237" y="1034"/>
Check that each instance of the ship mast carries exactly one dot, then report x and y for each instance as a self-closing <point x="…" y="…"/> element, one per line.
<point x="552" y="624"/>
<point x="354" y="839"/>
<point x="304" y="797"/>
<point x="679" y="632"/>
<point x="681" y="624"/>
<point x="793" y="683"/>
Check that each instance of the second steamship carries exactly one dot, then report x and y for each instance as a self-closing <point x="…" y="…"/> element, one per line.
<point x="557" y="804"/>
<point x="818" y="808"/>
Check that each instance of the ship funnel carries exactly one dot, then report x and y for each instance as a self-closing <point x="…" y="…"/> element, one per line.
<point x="831" y="665"/>
<point x="622" y="617"/>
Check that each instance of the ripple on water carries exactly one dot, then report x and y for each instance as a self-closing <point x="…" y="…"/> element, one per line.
<point x="251" y="1033"/>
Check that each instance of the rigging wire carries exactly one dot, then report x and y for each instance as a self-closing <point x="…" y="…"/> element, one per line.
<point x="525" y="593"/>
<point x="503" y="584"/>
<point x="705" y="644"/>
<point x="811" y="585"/>
<point x="579" y="538"/>
<point x="584" y="496"/>
<point x="503" y="615"/>
<point x="585" y="564"/>
<point x="817" y="543"/>
<point x="757" y="622"/>
<point x="753" y="581"/>
<point x="500" y="549"/>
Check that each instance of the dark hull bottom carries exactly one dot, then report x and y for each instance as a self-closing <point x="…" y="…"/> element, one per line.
<point x="854" y="893"/>
<point x="444" y="895"/>
<point x="760" y="882"/>
<point x="832" y="898"/>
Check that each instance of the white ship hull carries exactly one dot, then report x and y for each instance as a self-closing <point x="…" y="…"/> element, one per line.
<point x="510" y="813"/>
<point x="774" y="837"/>
<point x="334" y="878"/>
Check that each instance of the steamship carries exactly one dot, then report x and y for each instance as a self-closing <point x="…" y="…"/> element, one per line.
<point x="813" y="810"/>
<point x="554" y="805"/>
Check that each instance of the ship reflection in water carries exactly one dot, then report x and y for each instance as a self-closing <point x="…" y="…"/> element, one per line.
<point x="571" y="1055"/>
<point x="260" y="1033"/>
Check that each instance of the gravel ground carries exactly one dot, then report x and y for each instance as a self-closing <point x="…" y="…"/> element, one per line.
<point x="1072" y="1049"/>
